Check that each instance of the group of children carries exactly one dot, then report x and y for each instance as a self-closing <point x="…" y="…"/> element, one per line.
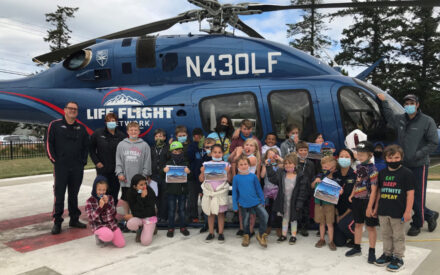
<point x="272" y="183"/>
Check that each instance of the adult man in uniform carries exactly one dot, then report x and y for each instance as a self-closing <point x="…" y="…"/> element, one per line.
<point x="417" y="134"/>
<point x="67" y="144"/>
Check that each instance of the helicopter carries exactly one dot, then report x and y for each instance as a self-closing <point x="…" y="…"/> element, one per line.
<point x="169" y="80"/>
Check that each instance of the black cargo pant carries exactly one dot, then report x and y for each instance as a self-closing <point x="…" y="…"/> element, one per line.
<point x="69" y="177"/>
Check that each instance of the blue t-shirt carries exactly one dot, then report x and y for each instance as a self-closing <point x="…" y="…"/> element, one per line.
<point x="246" y="191"/>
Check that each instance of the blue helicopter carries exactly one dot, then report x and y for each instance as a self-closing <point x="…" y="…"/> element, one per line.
<point x="170" y="80"/>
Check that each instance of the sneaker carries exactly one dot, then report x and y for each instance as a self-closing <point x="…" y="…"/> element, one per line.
<point x="303" y="231"/>
<point x="413" y="231"/>
<point x="221" y="238"/>
<point x="353" y="252"/>
<point x="281" y="239"/>
<point x="56" y="229"/>
<point x="332" y="246"/>
<point x="170" y="233"/>
<point x="77" y="224"/>
<point x="262" y="239"/>
<point x="245" y="242"/>
<point x="432" y="222"/>
<point x="292" y="240"/>
<point x="320" y="243"/>
<point x="395" y="265"/>
<point x="123" y="226"/>
<point x="204" y="229"/>
<point x="99" y="242"/>
<point x="383" y="260"/>
<point x="239" y="234"/>
<point x="138" y="234"/>
<point x="371" y="255"/>
<point x="209" y="238"/>
<point x="184" y="231"/>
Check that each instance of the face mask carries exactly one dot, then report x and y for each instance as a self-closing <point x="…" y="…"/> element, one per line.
<point x="217" y="159"/>
<point x="111" y="125"/>
<point x="302" y="158"/>
<point x="344" y="162"/>
<point x="291" y="170"/>
<point x="327" y="152"/>
<point x="326" y="172"/>
<point x="394" y="164"/>
<point x="160" y="142"/>
<point x="410" y="109"/>
<point x="177" y="158"/>
<point x="100" y="196"/>
<point x="182" y="139"/>
<point x="208" y="151"/>
<point x="378" y="154"/>
<point x="245" y="138"/>
<point x="222" y="128"/>
<point x="139" y="191"/>
<point x="292" y="137"/>
<point x="243" y="171"/>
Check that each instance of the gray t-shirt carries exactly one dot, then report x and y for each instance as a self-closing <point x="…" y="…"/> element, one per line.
<point x="289" y="185"/>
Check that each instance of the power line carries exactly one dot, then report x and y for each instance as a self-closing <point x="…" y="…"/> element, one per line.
<point x="16" y="61"/>
<point x="14" y="72"/>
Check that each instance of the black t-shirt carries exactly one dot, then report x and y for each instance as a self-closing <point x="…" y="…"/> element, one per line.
<point x="393" y="186"/>
<point x="347" y="183"/>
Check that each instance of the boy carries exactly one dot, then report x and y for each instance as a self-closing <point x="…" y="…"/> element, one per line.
<point x="133" y="157"/>
<point x="177" y="192"/>
<point x="195" y="163"/>
<point x="288" y="146"/>
<point x="324" y="211"/>
<point x="308" y="168"/>
<point x="245" y="132"/>
<point x="159" y="153"/>
<point x="379" y="160"/>
<point x="363" y="200"/>
<point x="395" y="201"/>
<point x="246" y="191"/>
<point x="271" y="142"/>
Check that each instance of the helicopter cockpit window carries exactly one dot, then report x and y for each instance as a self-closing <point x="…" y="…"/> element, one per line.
<point x="78" y="60"/>
<point x="359" y="111"/>
<point x="236" y="106"/>
<point x="292" y="107"/>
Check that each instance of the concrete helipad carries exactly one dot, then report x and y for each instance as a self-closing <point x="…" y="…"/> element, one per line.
<point x="26" y="246"/>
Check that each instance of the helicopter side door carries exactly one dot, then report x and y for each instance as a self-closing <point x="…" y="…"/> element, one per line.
<point x="237" y="103"/>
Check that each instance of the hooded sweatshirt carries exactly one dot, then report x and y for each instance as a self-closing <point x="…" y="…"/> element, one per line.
<point x="132" y="157"/>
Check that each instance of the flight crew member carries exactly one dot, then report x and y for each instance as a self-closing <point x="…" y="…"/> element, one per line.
<point x="67" y="144"/>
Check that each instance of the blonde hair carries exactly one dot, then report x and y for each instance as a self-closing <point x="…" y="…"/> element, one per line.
<point x="257" y="148"/>
<point x="133" y="124"/>
<point x="328" y="159"/>
<point x="209" y="141"/>
<point x="291" y="158"/>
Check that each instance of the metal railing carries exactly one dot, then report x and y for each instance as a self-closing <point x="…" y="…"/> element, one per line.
<point x="21" y="149"/>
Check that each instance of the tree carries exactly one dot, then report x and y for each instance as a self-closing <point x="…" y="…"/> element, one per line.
<point x="7" y="128"/>
<point x="59" y="37"/>
<point x="372" y="36"/>
<point x="308" y="34"/>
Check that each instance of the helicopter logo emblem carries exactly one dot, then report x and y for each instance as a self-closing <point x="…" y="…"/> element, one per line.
<point x="102" y="57"/>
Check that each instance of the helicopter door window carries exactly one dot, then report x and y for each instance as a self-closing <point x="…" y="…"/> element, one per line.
<point x="146" y="52"/>
<point x="359" y="111"/>
<point x="291" y="107"/>
<point x="236" y="106"/>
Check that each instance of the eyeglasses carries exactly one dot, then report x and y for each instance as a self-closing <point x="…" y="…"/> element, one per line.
<point x="72" y="109"/>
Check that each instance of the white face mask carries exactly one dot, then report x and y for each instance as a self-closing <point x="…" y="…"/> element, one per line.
<point x="243" y="171"/>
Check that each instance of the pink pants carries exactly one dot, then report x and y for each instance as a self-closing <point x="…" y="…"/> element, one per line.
<point x="149" y="225"/>
<point x="105" y="234"/>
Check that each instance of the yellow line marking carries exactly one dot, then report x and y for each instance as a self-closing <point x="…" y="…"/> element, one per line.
<point x="412" y="241"/>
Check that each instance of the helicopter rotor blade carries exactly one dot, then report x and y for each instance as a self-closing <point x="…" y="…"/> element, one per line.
<point x="247" y="30"/>
<point x="136" y="31"/>
<point x="423" y="3"/>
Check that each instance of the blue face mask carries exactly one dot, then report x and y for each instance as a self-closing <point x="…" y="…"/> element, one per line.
<point x="243" y="137"/>
<point x="410" y="109"/>
<point x="111" y="125"/>
<point x="344" y="162"/>
<point x="217" y="159"/>
<point x="292" y="137"/>
<point x="182" y="139"/>
<point x="139" y="191"/>
<point x="208" y="151"/>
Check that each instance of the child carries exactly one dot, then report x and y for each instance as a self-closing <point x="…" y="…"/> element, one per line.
<point x="159" y="153"/>
<point x="246" y="191"/>
<point x="379" y="161"/>
<point x="215" y="195"/>
<point x="317" y="138"/>
<point x="177" y="192"/>
<point x="395" y="201"/>
<point x="328" y="148"/>
<point x="292" y="194"/>
<point x="363" y="200"/>
<point x="195" y="156"/>
<point x="222" y="134"/>
<point x="271" y="142"/>
<point x="142" y="201"/>
<point x="307" y="167"/>
<point x="288" y="146"/>
<point x="133" y="157"/>
<point x="100" y="209"/>
<point x="325" y="211"/>
<point x="270" y="190"/>
<point x="239" y="137"/>
<point x="207" y="151"/>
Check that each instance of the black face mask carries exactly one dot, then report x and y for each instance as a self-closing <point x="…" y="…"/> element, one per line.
<point x="394" y="164"/>
<point x="178" y="158"/>
<point x="222" y="128"/>
<point x="378" y="154"/>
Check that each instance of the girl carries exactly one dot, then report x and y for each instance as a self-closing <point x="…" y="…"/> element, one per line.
<point x="291" y="194"/>
<point x="215" y="194"/>
<point x="270" y="190"/>
<point x="223" y="134"/>
<point x="142" y="201"/>
<point x="100" y="209"/>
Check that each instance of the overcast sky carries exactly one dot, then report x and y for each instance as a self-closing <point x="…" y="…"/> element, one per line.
<point x="23" y="25"/>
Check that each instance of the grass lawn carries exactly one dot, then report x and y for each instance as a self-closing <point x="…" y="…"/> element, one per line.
<point x="434" y="173"/>
<point x="28" y="167"/>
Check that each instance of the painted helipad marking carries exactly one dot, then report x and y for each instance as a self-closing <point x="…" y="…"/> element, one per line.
<point x="40" y="271"/>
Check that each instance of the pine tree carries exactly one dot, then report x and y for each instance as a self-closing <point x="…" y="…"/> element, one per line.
<point x="59" y="37"/>
<point x="308" y="34"/>
<point x="7" y="128"/>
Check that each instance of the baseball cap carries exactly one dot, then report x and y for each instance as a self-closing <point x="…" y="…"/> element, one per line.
<point x="176" y="145"/>
<point x="411" y="97"/>
<point x="365" y="146"/>
<point x="328" y="145"/>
